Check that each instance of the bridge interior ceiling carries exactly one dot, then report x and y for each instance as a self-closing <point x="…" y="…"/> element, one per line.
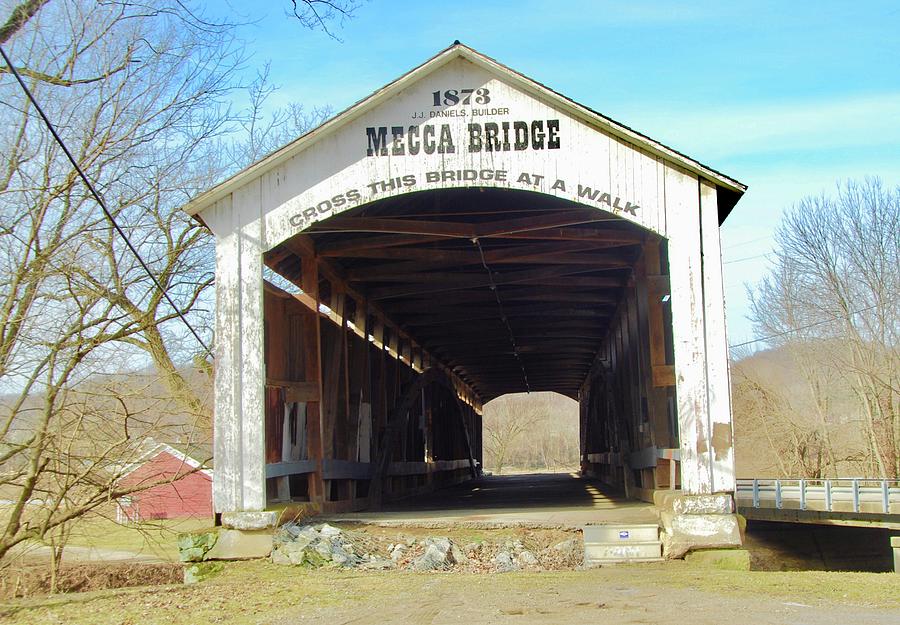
<point x="514" y="291"/>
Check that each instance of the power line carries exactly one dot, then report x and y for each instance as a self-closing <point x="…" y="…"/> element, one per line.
<point x="740" y="260"/>
<point x="748" y="242"/>
<point x="512" y="338"/>
<point x="99" y="199"/>
<point x="806" y="327"/>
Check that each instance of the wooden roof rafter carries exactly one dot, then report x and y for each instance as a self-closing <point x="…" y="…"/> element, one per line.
<point x="559" y="283"/>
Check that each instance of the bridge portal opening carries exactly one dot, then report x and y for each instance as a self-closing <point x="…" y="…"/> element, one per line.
<point x="395" y="323"/>
<point x="531" y="433"/>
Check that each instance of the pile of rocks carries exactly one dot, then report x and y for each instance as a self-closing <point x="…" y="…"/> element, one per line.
<point x="513" y="556"/>
<point x="326" y="545"/>
<point x="438" y="554"/>
<point x="320" y="545"/>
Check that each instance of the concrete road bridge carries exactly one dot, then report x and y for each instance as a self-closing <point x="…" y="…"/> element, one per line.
<point x="463" y="233"/>
<point x="855" y="502"/>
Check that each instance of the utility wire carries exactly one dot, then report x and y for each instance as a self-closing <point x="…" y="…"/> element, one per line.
<point x="806" y="327"/>
<point x="99" y="199"/>
<point x="512" y="338"/>
<point x="743" y="243"/>
<point x="740" y="260"/>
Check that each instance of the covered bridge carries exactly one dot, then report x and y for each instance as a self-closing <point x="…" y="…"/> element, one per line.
<point x="462" y="233"/>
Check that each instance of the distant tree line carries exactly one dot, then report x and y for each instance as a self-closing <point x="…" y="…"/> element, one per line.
<point x="825" y="401"/>
<point x="536" y="431"/>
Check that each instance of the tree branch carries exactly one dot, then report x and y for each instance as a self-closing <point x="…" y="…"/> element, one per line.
<point x="19" y="17"/>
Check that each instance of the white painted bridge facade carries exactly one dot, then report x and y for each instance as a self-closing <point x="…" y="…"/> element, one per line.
<point x="468" y="220"/>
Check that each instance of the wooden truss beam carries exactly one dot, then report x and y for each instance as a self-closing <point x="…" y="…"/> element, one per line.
<point x="394" y="270"/>
<point x="432" y="252"/>
<point x="468" y="230"/>
<point x="453" y="282"/>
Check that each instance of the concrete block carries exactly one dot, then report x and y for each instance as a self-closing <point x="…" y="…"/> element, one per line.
<point x="662" y="499"/>
<point x="742" y="526"/>
<point x="620" y="533"/>
<point x="688" y="532"/>
<point x="241" y="545"/>
<point x="678" y="503"/>
<point x="251" y="520"/>
<point x="601" y="553"/>
<point x="895" y="545"/>
<point x="194" y="547"/>
<point x="727" y="559"/>
<point x="703" y="504"/>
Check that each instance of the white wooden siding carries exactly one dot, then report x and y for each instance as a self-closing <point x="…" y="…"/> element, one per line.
<point x="256" y="216"/>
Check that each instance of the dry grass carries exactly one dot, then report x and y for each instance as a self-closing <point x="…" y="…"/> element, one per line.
<point x="33" y="580"/>
<point x="149" y="538"/>
<point x="259" y="592"/>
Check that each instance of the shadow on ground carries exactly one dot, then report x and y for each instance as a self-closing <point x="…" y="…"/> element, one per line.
<point x="565" y="499"/>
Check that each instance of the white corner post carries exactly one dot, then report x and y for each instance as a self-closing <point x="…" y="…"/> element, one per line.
<point x="698" y="326"/>
<point x="718" y="375"/>
<point x="239" y="479"/>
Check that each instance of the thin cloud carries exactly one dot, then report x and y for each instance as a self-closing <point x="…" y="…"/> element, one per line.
<point x="719" y="133"/>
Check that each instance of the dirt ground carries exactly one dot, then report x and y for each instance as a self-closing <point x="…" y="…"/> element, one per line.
<point x="586" y="598"/>
<point x="262" y="593"/>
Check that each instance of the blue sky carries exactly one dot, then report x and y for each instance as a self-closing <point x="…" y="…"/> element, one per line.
<point x="787" y="97"/>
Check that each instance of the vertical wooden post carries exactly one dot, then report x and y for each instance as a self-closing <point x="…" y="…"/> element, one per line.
<point x="313" y="358"/>
<point x="717" y="372"/>
<point x="343" y="429"/>
<point x="688" y="321"/>
<point x="332" y="384"/>
<point x="239" y="424"/>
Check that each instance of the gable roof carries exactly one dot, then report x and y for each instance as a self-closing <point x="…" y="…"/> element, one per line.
<point x="159" y="448"/>
<point x="733" y="188"/>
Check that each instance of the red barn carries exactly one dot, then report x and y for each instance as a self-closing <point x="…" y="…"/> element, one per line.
<point x="181" y="487"/>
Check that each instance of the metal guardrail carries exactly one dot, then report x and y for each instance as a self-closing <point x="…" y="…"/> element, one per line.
<point x="858" y="495"/>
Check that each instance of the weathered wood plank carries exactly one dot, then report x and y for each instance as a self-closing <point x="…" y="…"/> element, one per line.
<point x="523" y="253"/>
<point x="253" y="375"/>
<point x="297" y="467"/>
<point x="313" y="356"/>
<point x="426" y="269"/>
<point x="663" y="375"/>
<point x="499" y="228"/>
<point x="720" y="429"/>
<point x="542" y="277"/>
<point x="297" y="391"/>
<point x="686" y="279"/>
<point x="227" y="422"/>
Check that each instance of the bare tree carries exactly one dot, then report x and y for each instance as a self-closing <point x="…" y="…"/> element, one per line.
<point x="315" y="14"/>
<point x="263" y="131"/>
<point x="136" y="93"/>
<point x="832" y="298"/>
<point x="779" y="429"/>
<point x="534" y="431"/>
<point x="139" y="93"/>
